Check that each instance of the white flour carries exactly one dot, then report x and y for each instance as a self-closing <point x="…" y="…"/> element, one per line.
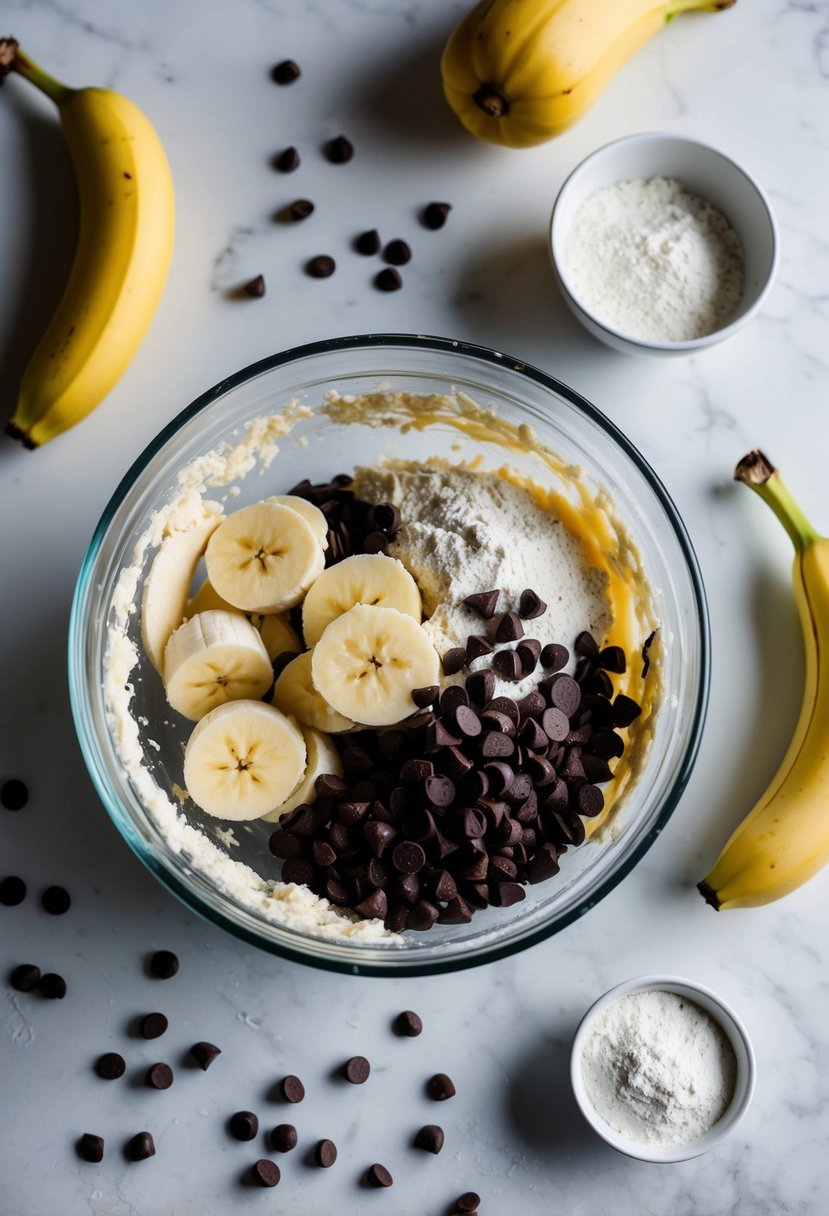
<point x="658" y="1068"/>
<point x="655" y="261"/>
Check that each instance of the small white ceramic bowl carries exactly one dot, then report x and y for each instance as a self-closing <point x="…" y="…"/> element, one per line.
<point x="731" y="1026"/>
<point x="706" y="172"/>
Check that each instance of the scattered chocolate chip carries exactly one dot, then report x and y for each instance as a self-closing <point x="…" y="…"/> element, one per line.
<point x="625" y="711"/>
<point x="357" y="1070"/>
<point x="505" y="894"/>
<point x="378" y="1175"/>
<point x="286" y="72"/>
<point x="612" y="658"/>
<point x="55" y="901"/>
<point x="434" y="215"/>
<point x="646" y="662"/>
<point x="565" y="694"/>
<point x="440" y="1087"/>
<point x="375" y="906"/>
<point x="484" y="603"/>
<point x="91" y="1148"/>
<point x="325" y="1153"/>
<point x="477" y="647"/>
<point x="454" y="660"/>
<point x="14" y="795"/>
<point x="554" y="656"/>
<point x="204" y="1054"/>
<point x="467" y="1203"/>
<point x="320" y="267"/>
<point x="368" y="243"/>
<point x="590" y="800"/>
<point x="606" y="744"/>
<point x="25" y="977"/>
<point x="397" y="253"/>
<point x="408" y="1024"/>
<point x="508" y="665"/>
<point x="287" y="160"/>
<point x="299" y="210"/>
<point x="543" y="864"/>
<point x="585" y="644"/>
<point x="140" y="1147"/>
<point x="430" y="1138"/>
<point x="386" y="517"/>
<point x="163" y="965"/>
<point x="255" y="287"/>
<point x="159" y="1076"/>
<point x="481" y="685"/>
<point x="531" y="605"/>
<point x="52" y="986"/>
<point x="292" y="1089"/>
<point x="408" y="857"/>
<point x="328" y="785"/>
<point x="556" y="724"/>
<point x="529" y="652"/>
<point x="265" y="1172"/>
<point x="284" y="1138"/>
<point x="244" y="1125"/>
<point x="388" y="280"/>
<point x="509" y="628"/>
<point x="339" y="150"/>
<point x="110" y="1066"/>
<point x="12" y="891"/>
<point x="153" y="1025"/>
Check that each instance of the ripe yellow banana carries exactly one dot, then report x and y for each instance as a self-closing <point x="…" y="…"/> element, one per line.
<point x="125" y="243"/>
<point x="784" y="840"/>
<point x="519" y="72"/>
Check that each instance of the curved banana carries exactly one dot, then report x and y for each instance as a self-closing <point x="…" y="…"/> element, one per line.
<point x="125" y="243"/>
<point x="784" y="840"/>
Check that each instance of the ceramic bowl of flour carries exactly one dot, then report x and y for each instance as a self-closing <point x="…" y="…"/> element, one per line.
<point x="662" y="1068"/>
<point x="663" y="245"/>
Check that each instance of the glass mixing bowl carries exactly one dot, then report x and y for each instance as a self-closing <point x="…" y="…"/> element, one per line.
<point x="318" y="447"/>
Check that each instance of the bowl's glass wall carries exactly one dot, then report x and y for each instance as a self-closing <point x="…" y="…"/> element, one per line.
<point x="318" y="449"/>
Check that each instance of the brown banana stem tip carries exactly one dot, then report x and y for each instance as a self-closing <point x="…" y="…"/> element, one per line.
<point x="754" y="469"/>
<point x="709" y="895"/>
<point x="491" y="101"/>
<point x="8" y="55"/>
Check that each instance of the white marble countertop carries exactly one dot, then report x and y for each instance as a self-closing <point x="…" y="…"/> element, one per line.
<point x="752" y="81"/>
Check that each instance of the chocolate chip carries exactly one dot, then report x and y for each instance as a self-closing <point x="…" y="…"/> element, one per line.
<point x="509" y="628"/>
<point x="55" y="901"/>
<point x="565" y="694"/>
<point x="325" y="1153"/>
<point x="204" y="1054"/>
<point x="152" y="1025"/>
<point x="328" y="785"/>
<point x="367" y="243"/>
<point x="505" y="894"/>
<point x="378" y="1175"/>
<point x="292" y="1089"/>
<point x="585" y="644"/>
<point x="299" y="210"/>
<point x="408" y="857"/>
<point x="456" y="912"/>
<point x="541" y="771"/>
<point x="625" y="711"/>
<point x="493" y="719"/>
<point x="320" y="267"/>
<point x="468" y="1202"/>
<point x="646" y="662"/>
<point x="439" y="790"/>
<point x="287" y="161"/>
<point x="454" y="660"/>
<point x="595" y="768"/>
<point x="286" y="72"/>
<point x="322" y="854"/>
<point x="484" y="603"/>
<point x="423" y="915"/>
<point x="507" y="663"/>
<point x="388" y="280"/>
<point x="163" y="965"/>
<point x="13" y="795"/>
<point x="505" y="705"/>
<point x="477" y="647"/>
<point x="339" y="150"/>
<point x="244" y="1125"/>
<point x="284" y="844"/>
<point x="612" y="658"/>
<point x="468" y="722"/>
<point x="543" y="864"/>
<point x="601" y="683"/>
<point x="110" y="1066"/>
<point x="25" y="977"/>
<point x="357" y="1070"/>
<point x="91" y="1148"/>
<point x="434" y="215"/>
<point x="379" y="836"/>
<point x="408" y="1024"/>
<point x="590" y="800"/>
<point x="284" y="1138"/>
<point x="255" y="287"/>
<point x="375" y="542"/>
<point x="298" y="870"/>
<point x="528" y="652"/>
<point x="500" y="775"/>
<point x="12" y="891"/>
<point x="159" y="1076"/>
<point x="440" y="1087"/>
<point x="496" y="746"/>
<point x="397" y="253"/>
<point x="531" y="605"/>
<point x="52" y="986"/>
<point x="140" y="1147"/>
<point x="606" y="744"/>
<point x="533" y="737"/>
<point x="480" y="685"/>
<point x="430" y="1138"/>
<point x="266" y="1172"/>
<point x="554" y="656"/>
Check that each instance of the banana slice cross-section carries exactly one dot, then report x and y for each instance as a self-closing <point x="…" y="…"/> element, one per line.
<point x="366" y="578"/>
<point x="167" y="585"/>
<point x="312" y="515"/>
<point x="212" y="658"/>
<point x="368" y="661"/>
<point x="243" y="759"/>
<point x="263" y="558"/>
<point x="323" y="757"/>
<point x="294" y="693"/>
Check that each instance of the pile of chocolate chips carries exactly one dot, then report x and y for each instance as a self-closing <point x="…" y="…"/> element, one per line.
<point x="354" y="526"/>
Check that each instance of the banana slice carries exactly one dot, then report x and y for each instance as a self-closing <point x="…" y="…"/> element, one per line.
<point x="368" y="661"/>
<point x="167" y="585"/>
<point x="212" y="658"/>
<point x="323" y="757"/>
<point x="207" y="598"/>
<point x="366" y="578"/>
<point x="277" y="635"/>
<point x="264" y="558"/>
<point x="311" y="514"/>
<point x="243" y="759"/>
<point x="294" y="693"/>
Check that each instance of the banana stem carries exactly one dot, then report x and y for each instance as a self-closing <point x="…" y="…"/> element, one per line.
<point x="13" y="59"/>
<point x="757" y="472"/>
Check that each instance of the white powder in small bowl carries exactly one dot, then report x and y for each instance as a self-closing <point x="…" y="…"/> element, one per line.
<point x="658" y="1069"/>
<point x="654" y="261"/>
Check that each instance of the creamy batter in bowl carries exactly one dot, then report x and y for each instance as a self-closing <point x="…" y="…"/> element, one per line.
<point x="333" y="407"/>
